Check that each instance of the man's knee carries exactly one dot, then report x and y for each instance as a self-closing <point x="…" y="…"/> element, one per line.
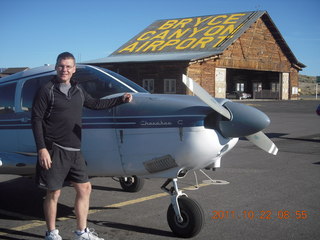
<point x="83" y="189"/>
<point x="53" y="195"/>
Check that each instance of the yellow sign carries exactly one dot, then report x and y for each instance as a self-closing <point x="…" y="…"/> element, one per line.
<point x="187" y="34"/>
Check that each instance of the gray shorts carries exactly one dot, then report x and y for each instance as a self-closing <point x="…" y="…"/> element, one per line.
<point x="67" y="166"/>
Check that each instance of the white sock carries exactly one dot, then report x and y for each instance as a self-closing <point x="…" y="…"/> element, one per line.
<point x="79" y="232"/>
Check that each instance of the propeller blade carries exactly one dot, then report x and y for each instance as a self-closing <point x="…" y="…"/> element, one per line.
<point x="205" y="96"/>
<point x="263" y="142"/>
<point x="259" y="138"/>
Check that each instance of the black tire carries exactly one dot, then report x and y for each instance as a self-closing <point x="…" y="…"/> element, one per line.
<point x="131" y="184"/>
<point x="193" y="218"/>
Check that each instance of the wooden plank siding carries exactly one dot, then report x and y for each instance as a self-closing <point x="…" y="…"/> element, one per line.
<point x="256" y="49"/>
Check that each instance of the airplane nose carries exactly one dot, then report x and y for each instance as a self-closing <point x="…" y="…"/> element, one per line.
<point x="245" y="120"/>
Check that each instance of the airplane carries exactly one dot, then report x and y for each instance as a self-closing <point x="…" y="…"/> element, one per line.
<point x="154" y="136"/>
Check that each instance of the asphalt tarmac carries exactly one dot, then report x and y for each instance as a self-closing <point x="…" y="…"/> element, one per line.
<point x="259" y="196"/>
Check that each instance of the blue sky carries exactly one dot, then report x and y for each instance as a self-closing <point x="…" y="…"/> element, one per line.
<point x="34" y="32"/>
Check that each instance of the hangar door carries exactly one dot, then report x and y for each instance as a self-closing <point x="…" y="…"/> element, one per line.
<point x="260" y="84"/>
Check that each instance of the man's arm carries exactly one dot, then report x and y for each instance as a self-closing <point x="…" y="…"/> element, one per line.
<point x="39" y="108"/>
<point x="38" y="112"/>
<point x="95" y="103"/>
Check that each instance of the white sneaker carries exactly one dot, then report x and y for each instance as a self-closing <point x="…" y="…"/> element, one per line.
<point x="89" y="234"/>
<point x="53" y="235"/>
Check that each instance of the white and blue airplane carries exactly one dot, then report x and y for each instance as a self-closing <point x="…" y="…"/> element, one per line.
<point x="154" y="136"/>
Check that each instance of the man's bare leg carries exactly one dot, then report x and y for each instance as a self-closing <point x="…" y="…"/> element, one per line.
<point x="81" y="207"/>
<point x="50" y="205"/>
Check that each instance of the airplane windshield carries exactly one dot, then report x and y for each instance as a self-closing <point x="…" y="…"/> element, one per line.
<point x="125" y="80"/>
<point x="99" y="82"/>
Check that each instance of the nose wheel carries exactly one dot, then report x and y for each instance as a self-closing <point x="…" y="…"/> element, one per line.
<point x="185" y="216"/>
<point x="131" y="184"/>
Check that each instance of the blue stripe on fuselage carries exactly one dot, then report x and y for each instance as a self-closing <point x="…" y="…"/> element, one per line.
<point x="123" y="122"/>
<point x="144" y="122"/>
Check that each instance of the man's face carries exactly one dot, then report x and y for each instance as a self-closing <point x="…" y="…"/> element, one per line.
<point x="65" y="69"/>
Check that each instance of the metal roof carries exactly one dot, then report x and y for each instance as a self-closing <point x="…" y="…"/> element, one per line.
<point x="190" y="39"/>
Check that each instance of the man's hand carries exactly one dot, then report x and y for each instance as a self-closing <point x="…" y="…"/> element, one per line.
<point x="44" y="158"/>
<point x="127" y="97"/>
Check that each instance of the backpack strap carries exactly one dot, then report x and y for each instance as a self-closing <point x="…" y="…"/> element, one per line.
<point x="51" y="102"/>
<point x="81" y="93"/>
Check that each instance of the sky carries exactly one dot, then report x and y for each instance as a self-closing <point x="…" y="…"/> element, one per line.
<point x="34" y="32"/>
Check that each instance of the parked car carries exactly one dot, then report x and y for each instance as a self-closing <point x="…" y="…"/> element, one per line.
<point x="238" y="95"/>
<point x="318" y="110"/>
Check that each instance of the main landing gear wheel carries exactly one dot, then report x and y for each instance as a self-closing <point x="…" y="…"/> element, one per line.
<point x="192" y="218"/>
<point x="131" y="184"/>
<point x="185" y="216"/>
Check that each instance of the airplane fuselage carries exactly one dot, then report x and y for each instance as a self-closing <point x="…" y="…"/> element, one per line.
<point x="153" y="136"/>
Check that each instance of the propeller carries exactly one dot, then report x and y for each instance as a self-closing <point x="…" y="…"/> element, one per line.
<point x="263" y="142"/>
<point x="244" y="121"/>
<point x="205" y="96"/>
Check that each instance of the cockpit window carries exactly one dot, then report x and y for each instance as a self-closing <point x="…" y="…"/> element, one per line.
<point x="126" y="81"/>
<point x="7" y="93"/>
<point x="99" y="82"/>
<point x="29" y="90"/>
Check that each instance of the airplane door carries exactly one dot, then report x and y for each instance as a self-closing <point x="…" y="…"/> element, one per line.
<point x="26" y="93"/>
<point x="99" y="144"/>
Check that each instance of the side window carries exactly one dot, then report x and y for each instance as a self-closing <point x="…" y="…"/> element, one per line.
<point x="240" y="87"/>
<point x="169" y="85"/>
<point x="99" y="83"/>
<point x="7" y="94"/>
<point x="96" y="84"/>
<point x="29" y="90"/>
<point x="148" y="84"/>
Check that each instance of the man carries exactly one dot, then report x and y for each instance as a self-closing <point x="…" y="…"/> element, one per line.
<point x="56" y="123"/>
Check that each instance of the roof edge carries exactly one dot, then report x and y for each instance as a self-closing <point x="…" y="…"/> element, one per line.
<point x="189" y="56"/>
<point x="281" y="41"/>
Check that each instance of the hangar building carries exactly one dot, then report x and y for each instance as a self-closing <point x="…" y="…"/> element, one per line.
<point x="223" y="53"/>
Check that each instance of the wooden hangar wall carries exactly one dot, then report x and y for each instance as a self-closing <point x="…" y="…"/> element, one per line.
<point x="254" y="63"/>
<point x="254" y="60"/>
